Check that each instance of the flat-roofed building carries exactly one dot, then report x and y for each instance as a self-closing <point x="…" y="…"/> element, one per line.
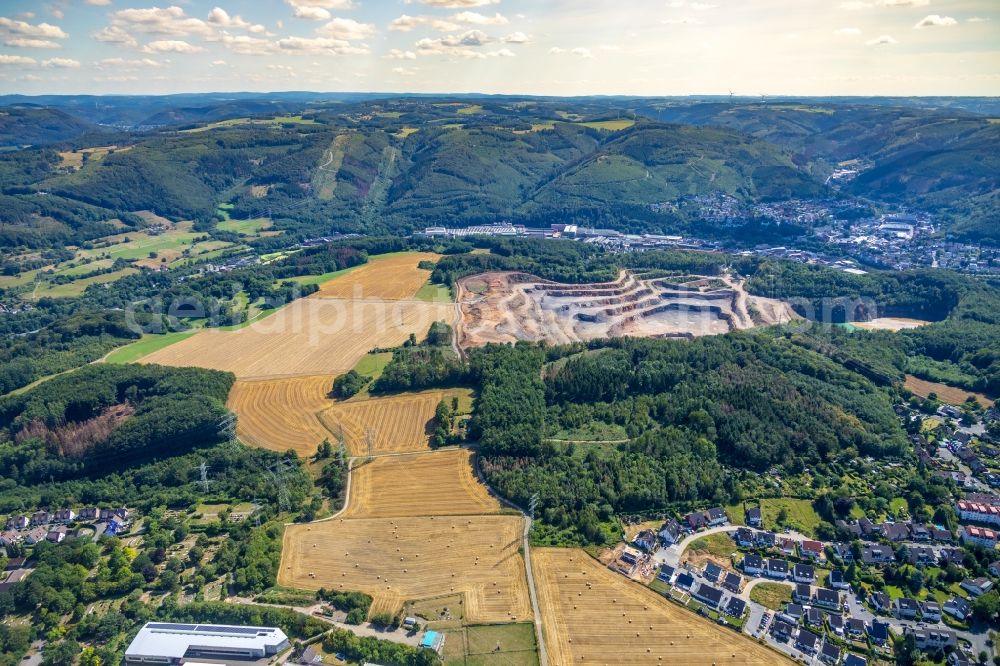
<point x="176" y="643"/>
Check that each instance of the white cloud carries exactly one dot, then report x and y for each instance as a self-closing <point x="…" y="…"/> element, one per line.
<point x="882" y="40"/>
<point x="936" y="21"/>
<point x="904" y="3"/>
<point x="30" y="43"/>
<point x="220" y="17"/>
<point x="12" y="28"/>
<point x="65" y="63"/>
<point x="322" y="4"/>
<point x="115" y="35"/>
<point x="246" y="45"/>
<point x="459" y="4"/>
<point x="855" y="5"/>
<point x="124" y="63"/>
<point x="99" y="3"/>
<point x="169" y="21"/>
<point x="406" y="23"/>
<point x="578" y="51"/>
<point x="311" y="13"/>
<point x="6" y="59"/>
<point x="516" y="38"/>
<point x="218" y="63"/>
<point x="405" y="71"/>
<point x="171" y="46"/>
<point x="848" y="32"/>
<point x="978" y="19"/>
<point x="475" y="18"/>
<point x="396" y="54"/>
<point x="346" y="29"/>
<point x="680" y="21"/>
<point x="319" y="46"/>
<point x="702" y="6"/>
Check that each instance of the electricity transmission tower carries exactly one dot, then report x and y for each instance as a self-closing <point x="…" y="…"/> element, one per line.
<point x="203" y="469"/>
<point x="277" y="472"/>
<point x="370" y="443"/>
<point x="532" y="504"/>
<point x="227" y="428"/>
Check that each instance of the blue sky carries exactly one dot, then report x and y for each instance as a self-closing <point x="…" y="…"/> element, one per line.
<point x="553" y="47"/>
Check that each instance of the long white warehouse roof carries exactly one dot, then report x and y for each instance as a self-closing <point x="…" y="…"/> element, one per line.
<point x="174" y="640"/>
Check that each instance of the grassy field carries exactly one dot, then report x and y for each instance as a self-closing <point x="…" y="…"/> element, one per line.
<point x="315" y="279"/>
<point x="470" y="110"/>
<point x="434" y="293"/>
<point x="249" y="227"/>
<point x="234" y="122"/>
<point x="610" y="125"/>
<point x="488" y="644"/>
<point x="720" y="545"/>
<point x="772" y="595"/>
<point x="147" y="345"/>
<point x="801" y="515"/>
<point x="77" y="287"/>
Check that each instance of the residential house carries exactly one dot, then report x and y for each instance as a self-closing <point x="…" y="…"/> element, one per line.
<point x="671" y="532"/>
<point x="736" y="607"/>
<point x="879" y="601"/>
<point x="826" y="598"/>
<point x="956" y="658"/>
<point x="906" y="609"/>
<point x="777" y="569"/>
<point x="814" y="617"/>
<point x="978" y="512"/>
<point x="665" y="574"/>
<point x="18" y="522"/>
<point x="58" y="535"/>
<point x="931" y="639"/>
<point x="994" y="568"/>
<point x="684" y="581"/>
<point x="837" y="581"/>
<point x="958" y="608"/>
<point x="941" y="535"/>
<point x="919" y="532"/>
<point x="626" y="563"/>
<point x="786" y="546"/>
<point x="836" y="623"/>
<point x="802" y="593"/>
<point x="646" y="539"/>
<point x="931" y="610"/>
<point x="878" y="632"/>
<point x="895" y="532"/>
<point x="64" y="516"/>
<point x="766" y="540"/>
<point x="10" y="538"/>
<point x="753" y="564"/>
<point x="716" y="516"/>
<point x="949" y="555"/>
<point x="807" y="641"/>
<point x="90" y="513"/>
<point x="733" y="582"/>
<point x="977" y="586"/>
<point x="979" y="535"/>
<point x="695" y="520"/>
<point x="842" y="551"/>
<point x="793" y="613"/>
<point x="868" y="528"/>
<point x="855" y="660"/>
<point x="744" y="537"/>
<point x="41" y="518"/>
<point x="782" y="630"/>
<point x="708" y="595"/>
<point x="35" y="536"/>
<point x="803" y="573"/>
<point x="877" y="554"/>
<point x="812" y="550"/>
<point x="754" y="518"/>
<point x="712" y="573"/>
<point x="855" y="627"/>
<point x="851" y="528"/>
<point x="922" y="556"/>
<point x="830" y="654"/>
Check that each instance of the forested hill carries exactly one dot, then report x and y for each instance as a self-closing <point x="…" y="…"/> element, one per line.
<point x="29" y="125"/>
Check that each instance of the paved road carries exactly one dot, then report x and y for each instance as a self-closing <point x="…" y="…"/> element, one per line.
<point x="672" y="554"/>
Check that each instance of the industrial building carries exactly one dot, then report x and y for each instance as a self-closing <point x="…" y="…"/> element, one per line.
<point x="176" y="644"/>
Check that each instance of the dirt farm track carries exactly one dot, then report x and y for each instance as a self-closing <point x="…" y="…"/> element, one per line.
<point x="592" y="615"/>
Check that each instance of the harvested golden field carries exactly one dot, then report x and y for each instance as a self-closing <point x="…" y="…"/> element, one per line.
<point x="398" y="423"/>
<point x="282" y="414"/>
<point x="439" y="483"/>
<point x="391" y="277"/>
<point x="395" y="559"/>
<point x="945" y="393"/>
<point x="308" y="337"/>
<point x="592" y="615"/>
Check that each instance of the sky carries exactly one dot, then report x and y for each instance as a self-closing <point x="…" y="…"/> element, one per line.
<point x="537" y="47"/>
